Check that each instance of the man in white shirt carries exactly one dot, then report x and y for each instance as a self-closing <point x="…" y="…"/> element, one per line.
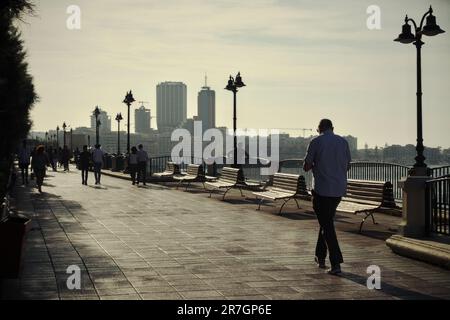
<point x="142" y="158"/>
<point x="329" y="158"/>
<point x="97" y="157"/>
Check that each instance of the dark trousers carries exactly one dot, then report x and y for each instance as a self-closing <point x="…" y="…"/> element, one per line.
<point x="84" y="175"/>
<point x="24" y="171"/>
<point x="98" y="171"/>
<point x="40" y="174"/>
<point x="142" y="172"/>
<point x="133" y="172"/>
<point x="325" y="209"/>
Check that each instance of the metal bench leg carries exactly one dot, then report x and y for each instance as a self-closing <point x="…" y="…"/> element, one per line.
<point x="373" y="218"/>
<point x="259" y="203"/>
<point x="298" y="207"/>
<point x="284" y="203"/>
<point x="210" y="193"/>
<point x="223" y="198"/>
<point x="179" y="184"/>
<point x="367" y="213"/>
<point x="242" y="195"/>
<point x="204" y="186"/>
<point x="189" y="183"/>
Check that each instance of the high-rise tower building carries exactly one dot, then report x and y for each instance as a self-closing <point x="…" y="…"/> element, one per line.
<point x="142" y="120"/>
<point x="171" y="105"/>
<point x="206" y="107"/>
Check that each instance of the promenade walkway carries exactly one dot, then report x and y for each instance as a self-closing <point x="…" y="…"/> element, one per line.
<point x="161" y="243"/>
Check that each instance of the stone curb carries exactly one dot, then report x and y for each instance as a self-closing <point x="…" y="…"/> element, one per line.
<point x="421" y="249"/>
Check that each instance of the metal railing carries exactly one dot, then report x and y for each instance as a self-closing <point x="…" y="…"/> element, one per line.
<point x="359" y="170"/>
<point x="375" y="171"/>
<point x="158" y="164"/>
<point x="440" y="171"/>
<point x="437" y="203"/>
<point x="380" y="171"/>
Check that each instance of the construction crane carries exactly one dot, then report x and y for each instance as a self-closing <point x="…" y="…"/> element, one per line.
<point x="143" y="102"/>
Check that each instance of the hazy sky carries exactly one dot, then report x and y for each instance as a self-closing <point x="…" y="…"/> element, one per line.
<point x="301" y="60"/>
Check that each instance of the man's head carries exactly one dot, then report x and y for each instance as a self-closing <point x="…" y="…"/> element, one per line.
<point x="97" y="146"/>
<point x="85" y="148"/>
<point x="324" y="125"/>
<point x="141" y="147"/>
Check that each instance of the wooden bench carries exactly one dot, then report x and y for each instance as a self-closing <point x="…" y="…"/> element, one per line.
<point x="231" y="178"/>
<point x="194" y="173"/>
<point x="366" y="197"/>
<point x="284" y="187"/>
<point x="172" y="169"/>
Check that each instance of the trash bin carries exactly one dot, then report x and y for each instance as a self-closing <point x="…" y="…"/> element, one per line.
<point x="119" y="163"/>
<point x="12" y="240"/>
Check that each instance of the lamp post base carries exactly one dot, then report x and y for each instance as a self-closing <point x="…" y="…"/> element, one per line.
<point x="413" y="211"/>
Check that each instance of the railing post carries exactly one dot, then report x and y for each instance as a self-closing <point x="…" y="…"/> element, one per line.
<point x="428" y="211"/>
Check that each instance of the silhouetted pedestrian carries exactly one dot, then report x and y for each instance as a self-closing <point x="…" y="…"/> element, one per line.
<point x="51" y="158"/>
<point x="24" y="155"/>
<point x="142" y="158"/>
<point x="84" y="159"/>
<point x="329" y="158"/>
<point x="39" y="162"/>
<point x="65" y="158"/>
<point x="133" y="164"/>
<point x="97" y="157"/>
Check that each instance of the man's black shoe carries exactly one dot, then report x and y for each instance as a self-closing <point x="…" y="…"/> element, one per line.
<point x="336" y="270"/>
<point x="320" y="263"/>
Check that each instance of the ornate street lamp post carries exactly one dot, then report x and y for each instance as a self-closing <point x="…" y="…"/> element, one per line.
<point x="430" y="29"/>
<point x="97" y="124"/>
<point x="129" y="99"/>
<point x="233" y="85"/>
<point x="57" y="137"/>
<point x="64" y="135"/>
<point x="71" y="144"/>
<point x="118" y="119"/>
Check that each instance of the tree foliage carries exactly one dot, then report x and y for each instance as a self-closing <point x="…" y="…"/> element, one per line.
<point x="17" y="93"/>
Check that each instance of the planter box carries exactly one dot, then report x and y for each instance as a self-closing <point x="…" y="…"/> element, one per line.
<point x="12" y="240"/>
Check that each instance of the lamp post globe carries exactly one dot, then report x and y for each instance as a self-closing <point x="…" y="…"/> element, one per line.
<point x="232" y="85"/>
<point x="129" y="99"/>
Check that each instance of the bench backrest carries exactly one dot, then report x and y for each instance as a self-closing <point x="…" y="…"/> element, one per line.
<point x="289" y="182"/>
<point x="172" y="167"/>
<point x="233" y="175"/>
<point x="194" y="170"/>
<point x="370" y="191"/>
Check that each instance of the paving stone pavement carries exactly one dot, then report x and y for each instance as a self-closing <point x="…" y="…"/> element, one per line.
<point x="160" y="243"/>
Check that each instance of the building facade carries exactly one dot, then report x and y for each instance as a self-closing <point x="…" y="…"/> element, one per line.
<point x="171" y="105"/>
<point x="142" y="120"/>
<point x="206" y="107"/>
<point x="105" y="122"/>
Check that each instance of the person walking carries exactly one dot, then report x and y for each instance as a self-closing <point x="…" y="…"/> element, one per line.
<point x="142" y="158"/>
<point x="328" y="156"/>
<point x="84" y="160"/>
<point x="133" y="164"/>
<point x="97" y="157"/>
<point x="51" y="158"/>
<point x="24" y="155"/>
<point x="66" y="158"/>
<point x="39" y="162"/>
